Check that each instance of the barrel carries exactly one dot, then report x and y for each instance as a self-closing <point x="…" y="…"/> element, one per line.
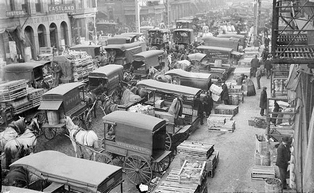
<point x="273" y="185"/>
<point x="53" y="117"/>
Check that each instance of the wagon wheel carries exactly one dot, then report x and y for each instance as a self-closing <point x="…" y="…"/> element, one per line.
<point x="50" y="133"/>
<point x="168" y="142"/>
<point x="103" y="157"/>
<point x="137" y="169"/>
<point x="163" y="165"/>
<point x="42" y="118"/>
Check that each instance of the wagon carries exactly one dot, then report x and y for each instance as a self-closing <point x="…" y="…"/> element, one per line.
<point x="144" y="60"/>
<point x="183" y="37"/>
<point x="34" y="72"/>
<point x="66" y="99"/>
<point x="109" y="75"/>
<point x="140" y="140"/>
<point x="191" y="79"/>
<point x="161" y="95"/>
<point x="159" y="38"/>
<point x="73" y="174"/>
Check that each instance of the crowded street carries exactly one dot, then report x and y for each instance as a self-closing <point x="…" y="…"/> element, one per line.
<point x="156" y="96"/>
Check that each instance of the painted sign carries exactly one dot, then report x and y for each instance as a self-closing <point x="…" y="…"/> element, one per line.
<point x="61" y="8"/>
<point x="16" y="13"/>
<point x="43" y="19"/>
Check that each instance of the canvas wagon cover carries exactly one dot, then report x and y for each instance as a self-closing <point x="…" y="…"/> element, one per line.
<point x="80" y="173"/>
<point x="107" y="71"/>
<point x="193" y="75"/>
<point x="138" y="120"/>
<point x="168" y="88"/>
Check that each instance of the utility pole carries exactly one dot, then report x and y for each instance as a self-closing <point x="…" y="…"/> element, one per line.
<point x="137" y="16"/>
<point x="168" y="13"/>
<point x="257" y="10"/>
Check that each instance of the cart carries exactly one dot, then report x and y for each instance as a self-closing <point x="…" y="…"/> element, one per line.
<point x="65" y="172"/>
<point x="161" y="96"/>
<point x="140" y="141"/>
<point x="64" y="100"/>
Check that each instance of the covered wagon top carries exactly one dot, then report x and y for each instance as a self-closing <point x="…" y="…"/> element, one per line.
<point x="183" y="73"/>
<point x="158" y="29"/>
<point x="168" y="88"/>
<point x="61" y="168"/>
<point x="84" y="46"/>
<point x="196" y="56"/>
<point x="137" y="120"/>
<point x="106" y="71"/>
<point x="214" y="48"/>
<point x="124" y="46"/>
<point x="64" y="88"/>
<point x="22" y="67"/>
<point x="183" y="30"/>
<point x="119" y="39"/>
<point x="147" y="54"/>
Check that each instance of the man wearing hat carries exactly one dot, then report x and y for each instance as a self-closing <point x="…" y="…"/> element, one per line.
<point x="263" y="101"/>
<point x="283" y="158"/>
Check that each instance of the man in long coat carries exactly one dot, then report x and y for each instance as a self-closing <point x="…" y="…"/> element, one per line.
<point x="263" y="101"/>
<point x="283" y="158"/>
<point x="225" y="94"/>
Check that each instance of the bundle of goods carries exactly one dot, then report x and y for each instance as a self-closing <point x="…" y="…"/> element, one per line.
<point x="236" y="98"/>
<point x="216" y="91"/>
<point x="129" y="98"/>
<point x="75" y="65"/>
<point x="19" y="97"/>
<point x="144" y="109"/>
<point x="220" y="123"/>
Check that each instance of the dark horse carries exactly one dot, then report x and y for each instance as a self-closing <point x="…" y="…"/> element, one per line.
<point x="18" y="177"/>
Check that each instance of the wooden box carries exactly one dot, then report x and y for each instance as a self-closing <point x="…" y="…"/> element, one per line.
<point x="192" y="172"/>
<point x="262" y="172"/>
<point x="194" y="149"/>
<point x="261" y="145"/>
<point x="227" y="109"/>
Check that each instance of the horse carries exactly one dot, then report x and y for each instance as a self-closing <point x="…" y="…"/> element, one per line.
<point x="83" y="137"/>
<point x="23" y="144"/>
<point x="108" y="105"/>
<point x="13" y="130"/>
<point x="18" y="177"/>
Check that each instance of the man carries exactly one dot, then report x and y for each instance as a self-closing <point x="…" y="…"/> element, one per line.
<point x="208" y="103"/>
<point x="258" y="77"/>
<point x="268" y="67"/>
<point x="283" y="158"/>
<point x="200" y="110"/>
<point x="225" y="94"/>
<point x="254" y="65"/>
<point x="263" y="101"/>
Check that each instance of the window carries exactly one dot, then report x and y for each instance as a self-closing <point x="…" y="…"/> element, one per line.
<point x="80" y="4"/>
<point x="12" y="5"/>
<point x="38" y="6"/>
<point x="26" y="7"/>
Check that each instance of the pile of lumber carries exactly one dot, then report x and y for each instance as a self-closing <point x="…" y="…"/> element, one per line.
<point x="220" y="123"/>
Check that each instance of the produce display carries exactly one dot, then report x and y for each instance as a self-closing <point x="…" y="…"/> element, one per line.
<point x="192" y="172"/>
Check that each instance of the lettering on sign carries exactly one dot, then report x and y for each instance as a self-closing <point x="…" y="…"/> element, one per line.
<point x="16" y="13"/>
<point x="113" y="78"/>
<point x="71" y="100"/>
<point x="133" y="147"/>
<point x="64" y="8"/>
<point x="45" y="19"/>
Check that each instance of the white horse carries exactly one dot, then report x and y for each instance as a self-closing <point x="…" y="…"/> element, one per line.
<point x="10" y="132"/>
<point x="83" y="137"/>
<point x="23" y="144"/>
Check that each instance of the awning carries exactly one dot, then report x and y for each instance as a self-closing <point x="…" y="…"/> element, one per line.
<point x="236" y="53"/>
<point x="49" y="105"/>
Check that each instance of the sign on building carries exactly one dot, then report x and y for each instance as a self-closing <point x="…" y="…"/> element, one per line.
<point x="61" y="8"/>
<point x="16" y="13"/>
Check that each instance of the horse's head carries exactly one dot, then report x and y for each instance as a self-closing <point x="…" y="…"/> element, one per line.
<point x="69" y="124"/>
<point x="19" y="125"/>
<point x="17" y="177"/>
<point x="34" y="126"/>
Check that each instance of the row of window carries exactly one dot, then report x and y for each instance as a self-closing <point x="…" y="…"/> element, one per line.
<point x="12" y="5"/>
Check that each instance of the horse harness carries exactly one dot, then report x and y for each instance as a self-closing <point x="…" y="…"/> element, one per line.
<point x="85" y="136"/>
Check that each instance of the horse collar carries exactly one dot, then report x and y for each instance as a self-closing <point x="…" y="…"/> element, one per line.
<point x="75" y="133"/>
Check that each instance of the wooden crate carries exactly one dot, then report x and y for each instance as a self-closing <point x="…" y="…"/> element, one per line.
<point x="228" y="117"/>
<point x="235" y="89"/>
<point x="192" y="172"/>
<point x="10" y="96"/>
<point x="227" y="109"/>
<point x="262" y="172"/>
<point x="34" y="93"/>
<point x="261" y="145"/>
<point x="13" y="86"/>
<point x="195" y="149"/>
<point x="23" y="108"/>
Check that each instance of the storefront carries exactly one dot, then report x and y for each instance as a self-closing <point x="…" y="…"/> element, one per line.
<point x="45" y="31"/>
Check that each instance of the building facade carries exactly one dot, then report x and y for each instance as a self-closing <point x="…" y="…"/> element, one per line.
<point x="30" y="24"/>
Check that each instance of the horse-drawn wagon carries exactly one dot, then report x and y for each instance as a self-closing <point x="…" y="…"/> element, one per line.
<point x="141" y="140"/>
<point x="171" y="100"/>
<point x="64" y="100"/>
<point x="58" y="172"/>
